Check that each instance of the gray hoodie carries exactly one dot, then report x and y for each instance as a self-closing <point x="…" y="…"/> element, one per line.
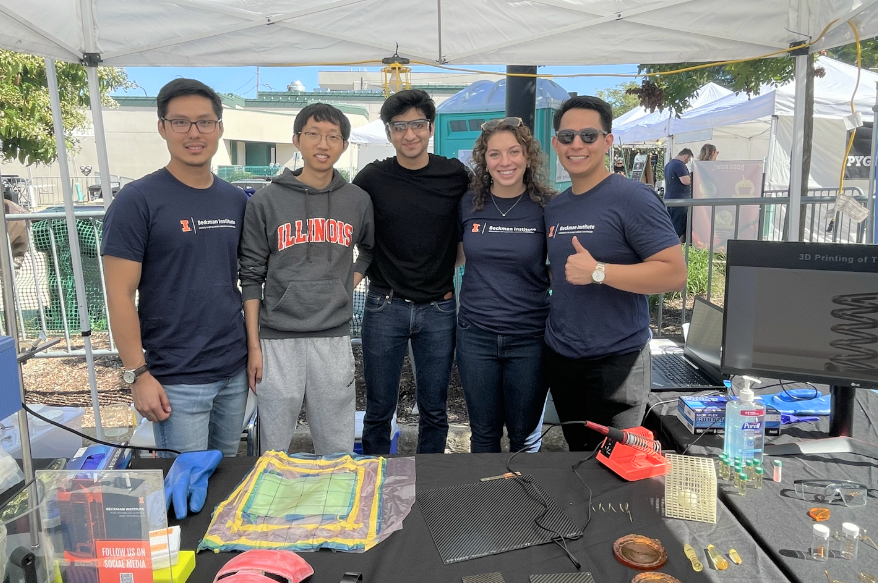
<point x="298" y="244"/>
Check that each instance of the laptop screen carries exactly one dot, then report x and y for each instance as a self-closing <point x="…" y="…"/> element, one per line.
<point x="705" y="338"/>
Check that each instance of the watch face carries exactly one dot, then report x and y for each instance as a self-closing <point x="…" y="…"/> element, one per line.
<point x="128" y="376"/>
<point x="598" y="275"/>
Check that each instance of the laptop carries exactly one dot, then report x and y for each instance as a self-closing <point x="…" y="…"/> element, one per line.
<point x="698" y="366"/>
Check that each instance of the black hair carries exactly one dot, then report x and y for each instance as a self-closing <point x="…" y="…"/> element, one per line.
<point x="184" y="87"/>
<point x="322" y="112"/>
<point x="399" y="103"/>
<point x="586" y="102"/>
<point x="686" y="152"/>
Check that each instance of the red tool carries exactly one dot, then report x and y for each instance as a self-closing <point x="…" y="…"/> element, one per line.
<point x="632" y="453"/>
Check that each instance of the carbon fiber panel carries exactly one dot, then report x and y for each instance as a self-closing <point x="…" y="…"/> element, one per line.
<point x="486" y="518"/>
<point x="563" y="578"/>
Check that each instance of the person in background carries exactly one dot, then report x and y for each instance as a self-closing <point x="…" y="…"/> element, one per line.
<point x="504" y="297"/>
<point x="415" y="196"/>
<point x="619" y="166"/>
<point x="172" y="238"/>
<point x="678" y="184"/>
<point x="708" y="153"/>
<point x="298" y="276"/>
<point x="610" y="244"/>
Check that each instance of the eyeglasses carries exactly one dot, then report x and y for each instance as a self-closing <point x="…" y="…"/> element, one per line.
<point x="588" y="136"/>
<point x="314" y="138"/>
<point x="401" y="127"/>
<point x="506" y="121"/>
<point x="182" y="126"/>
<point x="828" y="491"/>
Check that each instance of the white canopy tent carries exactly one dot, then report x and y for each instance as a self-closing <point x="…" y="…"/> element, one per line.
<point x="289" y="32"/>
<point x="761" y="127"/>
<point x="627" y="126"/>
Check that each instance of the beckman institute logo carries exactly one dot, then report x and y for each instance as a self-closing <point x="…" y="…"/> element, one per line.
<point x="186" y="227"/>
<point x="476" y="227"/>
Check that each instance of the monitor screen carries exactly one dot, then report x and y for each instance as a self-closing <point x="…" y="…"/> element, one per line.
<point x="802" y="311"/>
<point x="705" y="337"/>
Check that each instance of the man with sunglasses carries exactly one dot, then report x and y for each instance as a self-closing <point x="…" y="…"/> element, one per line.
<point x="415" y="196"/>
<point x="610" y="244"/>
<point x="172" y="237"/>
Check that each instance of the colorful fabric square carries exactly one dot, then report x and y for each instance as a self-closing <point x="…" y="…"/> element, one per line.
<point x="305" y="502"/>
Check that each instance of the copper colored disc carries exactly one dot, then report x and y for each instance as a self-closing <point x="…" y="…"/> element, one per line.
<point x="654" y="578"/>
<point x="640" y="552"/>
<point x="819" y="514"/>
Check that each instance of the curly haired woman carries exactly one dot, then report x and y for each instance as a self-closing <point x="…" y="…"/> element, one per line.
<point x="504" y="297"/>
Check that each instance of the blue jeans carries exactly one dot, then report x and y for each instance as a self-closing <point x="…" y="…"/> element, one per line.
<point x="503" y="378"/>
<point x="388" y="325"/>
<point x="208" y="416"/>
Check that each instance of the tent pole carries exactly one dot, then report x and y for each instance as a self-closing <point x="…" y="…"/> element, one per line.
<point x="870" y="203"/>
<point x="97" y="116"/>
<point x="73" y="240"/>
<point x="794" y="209"/>
<point x="769" y="158"/>
<point x="11" y="325"/>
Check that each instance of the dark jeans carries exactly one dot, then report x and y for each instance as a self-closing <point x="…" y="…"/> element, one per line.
<point x="503" y="378"/>
<point x="388" y="324"/>
<point x="611" y="391"/>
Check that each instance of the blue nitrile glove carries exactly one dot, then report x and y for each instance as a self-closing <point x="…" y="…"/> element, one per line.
<point x="186" y="482"/>
<point x="790" y="419"/>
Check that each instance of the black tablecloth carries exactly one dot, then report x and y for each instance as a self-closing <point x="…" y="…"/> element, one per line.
<point x="410" y="554"/>
<point x="775" y="516"/>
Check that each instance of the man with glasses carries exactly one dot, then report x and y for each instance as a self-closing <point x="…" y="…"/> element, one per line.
<point x="610" y="244"/>
<point x="172" y="238"/>
<point x="411" y="291"/>
<point x="298" y="276"/>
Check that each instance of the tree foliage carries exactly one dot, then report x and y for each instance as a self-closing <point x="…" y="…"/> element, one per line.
<point x="676" y="91"/>
<point x="26" y="130"/>
<point x="619" y="98"/>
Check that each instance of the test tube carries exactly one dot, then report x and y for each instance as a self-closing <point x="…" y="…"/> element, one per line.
<point x="742" y="483"/>
<point x="850" y="538"/>
<point x="723" y="467"/>
<point x="758" y="475"/>
<point x="777" y="466"/>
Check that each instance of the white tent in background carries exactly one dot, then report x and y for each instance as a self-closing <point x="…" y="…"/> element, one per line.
<point x="625" y="126"/>
<point x="762" y="127"/>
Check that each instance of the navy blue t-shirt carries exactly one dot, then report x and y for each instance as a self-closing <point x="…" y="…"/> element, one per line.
<point x="673" y="187"/>
<point x="190" y="310"/>
<point x="619" y="221"/>
<point x="505" y="287"/>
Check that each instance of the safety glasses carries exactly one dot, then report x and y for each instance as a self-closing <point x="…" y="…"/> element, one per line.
<point x="588" y="136"/>
<point x="831" y="491"/>
<point x="506" y="121"/>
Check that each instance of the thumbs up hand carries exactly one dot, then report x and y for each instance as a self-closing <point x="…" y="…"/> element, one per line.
<point x="580" y="265"/>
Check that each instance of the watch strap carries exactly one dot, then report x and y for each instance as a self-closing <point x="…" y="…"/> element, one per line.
<point x="139" y="371"/>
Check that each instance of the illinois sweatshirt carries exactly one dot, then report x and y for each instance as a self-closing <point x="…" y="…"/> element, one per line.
<point x="297" y="255"/>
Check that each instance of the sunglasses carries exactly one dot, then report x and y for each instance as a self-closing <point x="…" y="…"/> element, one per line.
<point x="492" y="124"/>
<point x="828" y="491"/>
<point x="588" y="136"/>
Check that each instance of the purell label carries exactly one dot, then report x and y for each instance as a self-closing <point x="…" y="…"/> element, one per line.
<point x="755" y="425"/>
<point x="752" y="413"/>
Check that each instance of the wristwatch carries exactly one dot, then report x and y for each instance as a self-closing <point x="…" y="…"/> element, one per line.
<point x="131" y="375"/>
<point x="598" y="274"/>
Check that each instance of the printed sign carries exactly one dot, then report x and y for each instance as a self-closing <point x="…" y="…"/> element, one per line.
<point x="726" y="179"/>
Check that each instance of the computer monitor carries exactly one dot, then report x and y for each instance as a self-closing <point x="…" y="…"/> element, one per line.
<point x="804" y="312"/>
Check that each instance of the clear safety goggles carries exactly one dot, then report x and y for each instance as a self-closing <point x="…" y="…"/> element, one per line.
<point x="831" y="491"/>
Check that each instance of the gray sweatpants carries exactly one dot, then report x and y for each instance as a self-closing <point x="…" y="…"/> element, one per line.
<point x="318" y="370"/>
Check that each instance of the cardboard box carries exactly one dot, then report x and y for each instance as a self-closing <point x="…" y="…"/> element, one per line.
<point x="707" y="415"/>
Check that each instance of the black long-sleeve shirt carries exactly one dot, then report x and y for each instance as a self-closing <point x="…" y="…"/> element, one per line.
<point x="415" y="225"/>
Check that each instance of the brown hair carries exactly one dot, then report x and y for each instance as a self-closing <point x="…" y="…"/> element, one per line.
<point x="707" y="151"/>
<point x="534" y="175"/>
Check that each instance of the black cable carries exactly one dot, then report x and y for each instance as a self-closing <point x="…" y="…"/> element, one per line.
<point x="705" y="432"/>
<point x="94" y="439"/>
